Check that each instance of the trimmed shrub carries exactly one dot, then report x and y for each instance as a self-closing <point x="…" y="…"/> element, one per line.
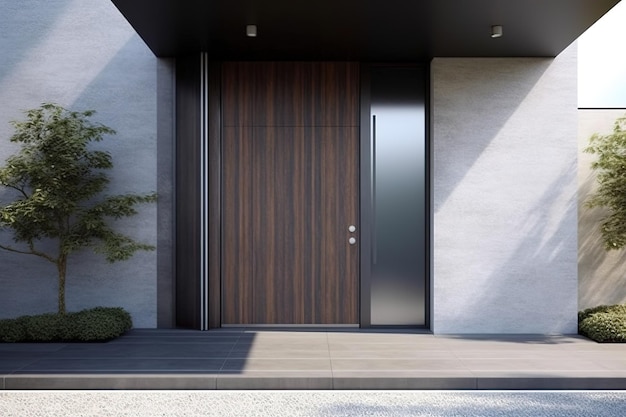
<point x="603" y="323"/>
<point x="43" y="327"/>
<point x="100" y="324"/>
<point x="13" y="330"/>
<point x="92" y="325"/>
<point x="619" y="309"/>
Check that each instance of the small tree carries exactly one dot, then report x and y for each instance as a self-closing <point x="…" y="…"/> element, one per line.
<point x="59" y="184"/>
<point x="611" y="175"/>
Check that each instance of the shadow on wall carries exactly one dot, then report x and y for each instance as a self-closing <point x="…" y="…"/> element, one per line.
<point x="482" y="98"/>
<point x="505" y="196"/>
<point x="30" y="21"/>
<point x="123" y="92"/>
<point x="523" y="285"/>
<point x="601" y="273"/>
<point x="124" y="96"/>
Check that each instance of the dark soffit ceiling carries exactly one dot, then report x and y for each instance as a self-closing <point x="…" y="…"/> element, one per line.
<point x="368" y="30"/>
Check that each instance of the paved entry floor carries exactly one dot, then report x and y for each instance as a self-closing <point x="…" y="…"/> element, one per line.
<point x="315" y="359"/>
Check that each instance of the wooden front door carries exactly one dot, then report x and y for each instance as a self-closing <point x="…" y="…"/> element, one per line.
<point x="290" y="182"/>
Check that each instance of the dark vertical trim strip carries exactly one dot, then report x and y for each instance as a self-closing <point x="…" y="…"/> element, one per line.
<point x="366" y="198"/>
<point x="188" y="192"/>
<point x="204" y="178"/>
<point x="373" y="181"/>
<point x="214" y="195"/>
<point x="166" y="210"/>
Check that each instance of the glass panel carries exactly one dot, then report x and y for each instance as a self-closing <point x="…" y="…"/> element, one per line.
<point x="398" y="283"/>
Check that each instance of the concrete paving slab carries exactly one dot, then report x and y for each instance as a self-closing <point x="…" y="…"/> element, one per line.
<point x="110" y="382"/>
<point x="283" y="353"/>
<point x="10" y="365"/>
<point x="315" y="359"/>
<point x="124" y="365"/>
<point x="292" y="365"/>
<point x="377" y="364"/>
<point x="390" y="354"/>
<point x="273" y="382"/>
<point x="146" y="350"/>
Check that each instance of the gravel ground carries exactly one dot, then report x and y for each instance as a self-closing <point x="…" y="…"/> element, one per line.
<point x="312" y="403"/>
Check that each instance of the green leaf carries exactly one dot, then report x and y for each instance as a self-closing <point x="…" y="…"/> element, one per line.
<point x="610" y="168"/>
<point x="59" y="184"/>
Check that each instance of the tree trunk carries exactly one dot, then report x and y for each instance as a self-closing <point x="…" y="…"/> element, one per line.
<point x="62" y="268"/>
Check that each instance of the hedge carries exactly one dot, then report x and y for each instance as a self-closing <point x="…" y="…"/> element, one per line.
<point x="92" y="325"/>
<point x="603" y="323"/>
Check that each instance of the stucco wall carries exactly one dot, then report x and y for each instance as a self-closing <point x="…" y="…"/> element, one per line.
<point x="83" y="54"/>
<point x="601" y="274"/>
<point x="504" y="195"/>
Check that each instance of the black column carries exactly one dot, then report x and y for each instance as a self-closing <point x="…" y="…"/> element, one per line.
<point x="188" y="191"/>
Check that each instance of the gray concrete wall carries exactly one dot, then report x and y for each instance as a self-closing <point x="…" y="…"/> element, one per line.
<point x="504" y="195"/>
<point x="601" y="274"/>
<point x="504" y="174"/>
<point x="83" y="54"/>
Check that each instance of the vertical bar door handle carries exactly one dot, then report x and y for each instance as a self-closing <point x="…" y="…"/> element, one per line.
<point x="374" y="243"/>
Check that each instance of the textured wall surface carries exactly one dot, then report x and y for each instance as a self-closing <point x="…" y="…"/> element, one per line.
<point x="601" y="274"/>
<point x="83" y="54"/>
<point x="504" y="174"/>
<point x="504" y="195"/>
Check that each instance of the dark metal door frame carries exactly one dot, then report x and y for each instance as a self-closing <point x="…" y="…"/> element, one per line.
<point x="198" y="269"/>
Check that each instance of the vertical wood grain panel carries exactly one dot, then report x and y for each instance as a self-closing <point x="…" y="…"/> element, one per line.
<point x="237" y="288"/>
<point x="291" y="177"/>
<point x="337" y="95"/>
<point x="282" y="231"/>
<point x="238" y="81"/>
<point x="340" y="157"/>
<point x="214" y="196"/>
<point x="290" y="94"/>
<point x="268" y="231"/>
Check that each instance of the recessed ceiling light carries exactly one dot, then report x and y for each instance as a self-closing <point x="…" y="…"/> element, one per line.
<point x="251" y="31"/>
<point x="496" y="31"/>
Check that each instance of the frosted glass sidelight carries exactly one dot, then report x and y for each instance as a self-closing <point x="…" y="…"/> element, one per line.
<point x="398" y="149"/>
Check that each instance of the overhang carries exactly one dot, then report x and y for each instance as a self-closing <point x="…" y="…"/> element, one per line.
<point x="366" y="30"/>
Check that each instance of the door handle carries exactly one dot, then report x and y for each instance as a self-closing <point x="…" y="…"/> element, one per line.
<point x="352" y="239"/>
<point x="373" y="179"/>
